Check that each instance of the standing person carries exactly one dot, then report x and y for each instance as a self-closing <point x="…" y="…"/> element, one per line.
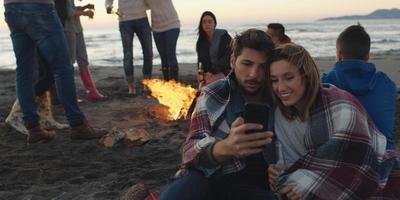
<point x="166" y="27"/>
<point x="353" y="73"/>
<point x="37" y="25"/>
<point x="277" y="33"/>
<point x="329" y="147"/>
<point x="77" y="46"/>
<point x="133" y="20"/>
<point x="213" y="50"/>
<point x="220" y="159"/>
<point x="43" y="75"/>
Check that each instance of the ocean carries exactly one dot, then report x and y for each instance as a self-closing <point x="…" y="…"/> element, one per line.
<point x="105" y="49"/>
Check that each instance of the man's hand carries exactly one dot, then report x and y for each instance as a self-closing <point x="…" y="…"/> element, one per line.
<point x="241" y="144"/>
<point x="273" y="175"/>
<point x="291" y="192"/>
<point x="109" y="10"/>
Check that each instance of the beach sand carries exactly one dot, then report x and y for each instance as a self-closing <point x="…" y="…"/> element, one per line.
<point x="66" y="169"/>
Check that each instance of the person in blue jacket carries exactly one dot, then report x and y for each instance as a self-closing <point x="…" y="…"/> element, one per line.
<point x="353" y="73"/>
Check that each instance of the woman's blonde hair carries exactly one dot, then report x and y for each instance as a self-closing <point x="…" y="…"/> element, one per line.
<point x="299" y="57"/>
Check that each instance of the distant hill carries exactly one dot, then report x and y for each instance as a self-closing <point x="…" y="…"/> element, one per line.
<point x="393" y="13"/>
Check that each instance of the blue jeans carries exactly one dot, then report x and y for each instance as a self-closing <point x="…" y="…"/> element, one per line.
<point x="195" y="186"/>
<point x="142" y="29"/>
<point x="166" y="46"/>
<point x="37" y="25"/>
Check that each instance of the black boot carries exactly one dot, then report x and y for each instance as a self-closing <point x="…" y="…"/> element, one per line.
<point x="173" y="73"/>
<point x="165" y="72"/>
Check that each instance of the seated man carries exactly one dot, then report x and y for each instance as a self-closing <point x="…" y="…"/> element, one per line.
<point x="220" y="159"/>
<point x="374" y="89"/>
<point x="277" y="33"/>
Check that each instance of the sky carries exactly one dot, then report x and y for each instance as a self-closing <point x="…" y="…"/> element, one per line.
<point x="245" y="11"/>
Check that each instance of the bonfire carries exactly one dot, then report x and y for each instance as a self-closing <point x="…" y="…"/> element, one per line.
<point x="176" y="96"/>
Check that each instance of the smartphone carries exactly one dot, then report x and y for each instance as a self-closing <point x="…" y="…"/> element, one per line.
<point x="258" y="114"/>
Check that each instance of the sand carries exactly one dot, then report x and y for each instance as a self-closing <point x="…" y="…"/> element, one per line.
<point x="66" y="169"/>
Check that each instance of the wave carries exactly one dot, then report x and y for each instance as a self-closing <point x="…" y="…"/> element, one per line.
<point x="383" y="41"/>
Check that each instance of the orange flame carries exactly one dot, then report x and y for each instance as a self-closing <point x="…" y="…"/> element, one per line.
<point x="176" y="96"/>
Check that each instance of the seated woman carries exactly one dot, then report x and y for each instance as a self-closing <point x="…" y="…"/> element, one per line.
<point x="327" y="145"/>
<point x="213" y="51"/>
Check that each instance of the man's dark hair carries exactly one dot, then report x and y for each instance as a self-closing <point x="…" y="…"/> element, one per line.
<point x="279" y="29"/>
<point x="252" y="39"/>
<point x="354" y="43"/>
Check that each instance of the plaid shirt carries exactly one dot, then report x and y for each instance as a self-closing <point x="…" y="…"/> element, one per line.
<point x="218" y="106"/>
<point x="346" y="157"/>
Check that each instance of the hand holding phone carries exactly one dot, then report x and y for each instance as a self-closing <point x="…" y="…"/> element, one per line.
<point x="257" y="114"/>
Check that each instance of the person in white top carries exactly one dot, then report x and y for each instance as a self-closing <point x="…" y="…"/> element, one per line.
<point x="166" y="27"/>
<point x="133" y="20"/>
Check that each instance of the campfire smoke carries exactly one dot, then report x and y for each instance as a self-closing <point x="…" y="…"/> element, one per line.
<point x="176" y="96"/>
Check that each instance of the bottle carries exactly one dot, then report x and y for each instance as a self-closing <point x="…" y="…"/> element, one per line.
<point x="200" y="72"/>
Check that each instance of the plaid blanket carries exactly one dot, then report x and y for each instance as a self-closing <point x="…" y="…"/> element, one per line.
<point x="346" y="156"/>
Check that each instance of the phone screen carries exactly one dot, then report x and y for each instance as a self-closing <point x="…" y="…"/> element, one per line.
<point x="256" y="113"/>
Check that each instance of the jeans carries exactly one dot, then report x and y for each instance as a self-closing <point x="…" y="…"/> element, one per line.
<point x="166" y="46"/>
<point x="195" y="186"/>
<point x="37" y="25"/>
<point x="142" y="29"/>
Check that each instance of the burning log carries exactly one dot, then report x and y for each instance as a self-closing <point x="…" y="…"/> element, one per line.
<point x="176" y="96"/>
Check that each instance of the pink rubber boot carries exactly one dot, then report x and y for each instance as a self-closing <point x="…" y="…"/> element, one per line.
<point x="92" y="93"/>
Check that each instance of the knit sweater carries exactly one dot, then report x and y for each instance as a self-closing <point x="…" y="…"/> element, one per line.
<point x="29" y="1"/>
<point x="129" y="9"/>
<point x="163" y="15"/>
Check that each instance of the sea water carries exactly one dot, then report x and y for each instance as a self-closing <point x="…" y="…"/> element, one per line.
<point x="105" y="49"/>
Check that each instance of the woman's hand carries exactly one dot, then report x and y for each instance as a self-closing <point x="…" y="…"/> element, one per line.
<point x="291" y="192"/>
<point x="273" y="175"/>
<point x="209" y="77"/>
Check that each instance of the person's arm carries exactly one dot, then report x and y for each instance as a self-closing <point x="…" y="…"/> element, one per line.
<point x="224" y="53"/>
<point x="88" y="13"/>
<point x="109" y="6"/>
<point x="77" y="11"/>
<point x="70" y="9"/>
<point x="329" y="77"/>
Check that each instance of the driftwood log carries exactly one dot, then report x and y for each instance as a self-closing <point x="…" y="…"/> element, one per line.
<point x="137" y="137"/>
<point x="131" y="136"/>
<point x="136" y="192"/>
<point x="112" y="137"/>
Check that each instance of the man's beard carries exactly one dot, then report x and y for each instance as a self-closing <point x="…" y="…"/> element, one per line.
<point x="252" y="93"/>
